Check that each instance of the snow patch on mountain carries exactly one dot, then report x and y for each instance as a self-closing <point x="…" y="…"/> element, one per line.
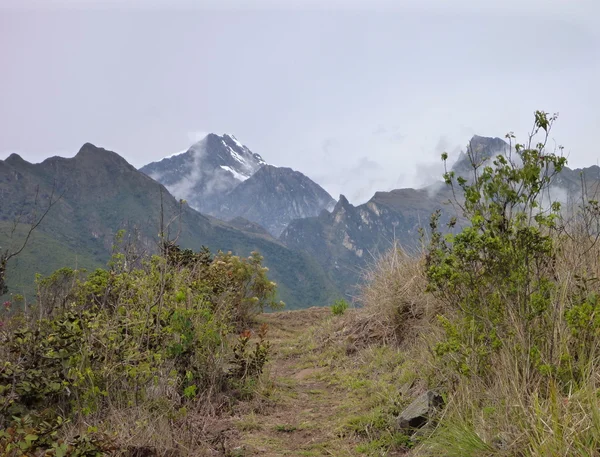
<point x="234" y="154"/>
<point x="176" y="154"/>
<point x="235" y="140"/>
<point x="236" y="174"/>
<point x="209" y="168"/>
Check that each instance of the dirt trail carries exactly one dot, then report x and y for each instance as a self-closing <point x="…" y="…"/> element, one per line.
<point x="300" y="410"/>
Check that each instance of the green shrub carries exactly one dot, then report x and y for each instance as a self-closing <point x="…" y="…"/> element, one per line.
<point x="339" y="307"/>
<point x="497" y="272"/>
<point x="126" y="337"/>
<point x="520" y="330"/>
<point x="247" y="362"/>
<point x="26" y="437"/>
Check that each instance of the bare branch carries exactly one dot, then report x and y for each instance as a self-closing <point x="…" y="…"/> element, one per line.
<point x="36" y="221"/>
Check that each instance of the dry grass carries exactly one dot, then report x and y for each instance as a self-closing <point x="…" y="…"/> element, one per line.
<point x="395" y="306"/>
<point x="516" y="411"/>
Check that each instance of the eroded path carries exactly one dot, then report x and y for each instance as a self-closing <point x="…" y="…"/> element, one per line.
<point x="315" y="402"/>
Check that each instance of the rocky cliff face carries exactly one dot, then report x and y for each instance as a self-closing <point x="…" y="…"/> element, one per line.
<point x="480" y="149"/>
<point x="566" y="187"/>
<point x="273" y="197"/>
<point x="349" y="237"/>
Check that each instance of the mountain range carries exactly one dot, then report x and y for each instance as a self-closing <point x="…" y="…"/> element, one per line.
<point x="101" y="194"/>
<point x="315" y="247"/>
<point x="345" y="240"/>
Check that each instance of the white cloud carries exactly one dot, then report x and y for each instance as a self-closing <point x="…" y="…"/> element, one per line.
<point x="385" y="88"/>
<point x="194" y="137"/>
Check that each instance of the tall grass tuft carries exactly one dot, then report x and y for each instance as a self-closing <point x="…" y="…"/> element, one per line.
<point x="393" y="298"/>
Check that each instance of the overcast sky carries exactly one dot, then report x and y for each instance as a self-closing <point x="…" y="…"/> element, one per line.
<point x="360" y="96"/>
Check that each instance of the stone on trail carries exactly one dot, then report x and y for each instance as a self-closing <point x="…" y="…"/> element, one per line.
<point x="418" y="413"/>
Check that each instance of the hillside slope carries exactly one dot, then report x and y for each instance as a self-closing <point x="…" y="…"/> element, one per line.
<point x="102" y="194"/>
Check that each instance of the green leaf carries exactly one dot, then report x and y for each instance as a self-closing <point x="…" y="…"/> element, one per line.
<point x="30" y="438"/>
<point x="61" y="451"/>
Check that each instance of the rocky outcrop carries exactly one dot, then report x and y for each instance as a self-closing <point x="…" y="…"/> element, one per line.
<point x="420" y="411"/>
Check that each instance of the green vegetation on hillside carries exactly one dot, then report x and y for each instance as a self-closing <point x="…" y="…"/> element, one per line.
<point x="43" y="254"/>
<point x="518" y="354"/>
<point x="102" y="194"/>
<point x="485" y="344"/>
<point x="158" y="336"/>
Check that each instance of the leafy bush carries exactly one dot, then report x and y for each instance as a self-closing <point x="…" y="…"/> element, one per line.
<point x="130" y="336"/>
<point x="520" y="291"/>
<point x="498" y="273"/>
<point x="25" y="437"/>
<point x="248" y="363"/>
<point x="339" y="307"/>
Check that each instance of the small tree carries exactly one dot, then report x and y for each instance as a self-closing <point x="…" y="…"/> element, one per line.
<point x="496" y="274"/>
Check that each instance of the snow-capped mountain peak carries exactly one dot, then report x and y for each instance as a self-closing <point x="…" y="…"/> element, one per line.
<point x="220" y="176"/>
<point x="213" y="165"/>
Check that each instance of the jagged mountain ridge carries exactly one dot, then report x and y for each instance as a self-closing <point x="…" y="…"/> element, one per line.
<point x="350" y="237"/>
<point x="221" y="177"/>
<point x="273" y="197"/>
<point x="346" y="240"/>
<point x="103" y="194"/>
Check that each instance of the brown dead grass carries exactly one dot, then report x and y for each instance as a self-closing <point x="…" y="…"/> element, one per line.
<point x="394" y="307"/>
